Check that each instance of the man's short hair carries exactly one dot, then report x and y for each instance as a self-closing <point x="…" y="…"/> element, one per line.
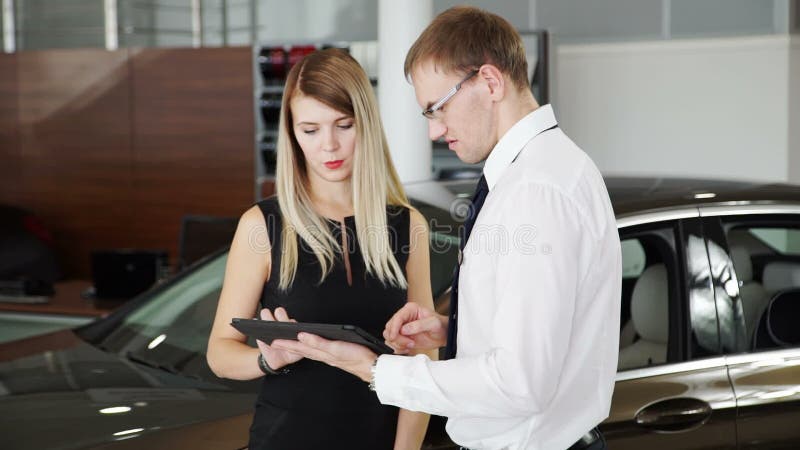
<point x="464" y="38"/>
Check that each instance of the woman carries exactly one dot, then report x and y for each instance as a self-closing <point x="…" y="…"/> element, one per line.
<point x="339" y="244"/>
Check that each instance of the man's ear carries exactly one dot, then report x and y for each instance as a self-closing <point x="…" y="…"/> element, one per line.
<point x="494" y="80"/>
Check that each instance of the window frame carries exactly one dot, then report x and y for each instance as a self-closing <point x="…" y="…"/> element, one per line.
<point x="783" y="217"/>
<point x="672" y="232"/>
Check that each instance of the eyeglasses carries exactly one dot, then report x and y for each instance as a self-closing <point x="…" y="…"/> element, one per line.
<point x="429" y="113"/>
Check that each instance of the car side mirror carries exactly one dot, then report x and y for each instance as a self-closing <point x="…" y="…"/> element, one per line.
<point x="783" y="313"/>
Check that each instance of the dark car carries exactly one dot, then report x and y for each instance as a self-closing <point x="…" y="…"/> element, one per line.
<point x="709" y="355"/>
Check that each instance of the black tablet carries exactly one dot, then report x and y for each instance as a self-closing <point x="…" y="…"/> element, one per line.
<point x="267" y="331"/>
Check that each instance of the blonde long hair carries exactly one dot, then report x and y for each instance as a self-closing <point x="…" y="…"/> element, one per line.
<point x="334" y="78"/>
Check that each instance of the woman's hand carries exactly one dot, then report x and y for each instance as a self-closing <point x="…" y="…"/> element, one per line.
<point x="353" y="358"/>
<point x="277" y="358"/>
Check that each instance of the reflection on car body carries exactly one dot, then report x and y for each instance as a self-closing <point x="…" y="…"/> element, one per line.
<point x="709" y="357"/>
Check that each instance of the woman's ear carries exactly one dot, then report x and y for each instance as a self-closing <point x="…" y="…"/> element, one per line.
<point x="494" y="79"/>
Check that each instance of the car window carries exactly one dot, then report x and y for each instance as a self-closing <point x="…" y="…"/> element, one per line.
<point x="666" y="278"/>
<point x="644" y="317"/>
<point x="633" y="258"/>
<point x="780" y="240"/>
<point x="766" y="257"/>
<point x="171" y="329"/>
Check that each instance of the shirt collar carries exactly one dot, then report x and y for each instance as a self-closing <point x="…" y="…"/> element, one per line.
<point x="515" y="139"/>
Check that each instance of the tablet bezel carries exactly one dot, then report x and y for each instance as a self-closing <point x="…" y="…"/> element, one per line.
<point x="267" y="331"/>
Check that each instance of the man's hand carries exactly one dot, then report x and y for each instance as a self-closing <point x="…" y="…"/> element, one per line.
<point x="414" y="327"/>
<point x="353" y="358"/>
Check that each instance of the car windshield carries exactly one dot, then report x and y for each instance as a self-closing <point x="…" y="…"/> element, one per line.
<point x="170" y="329"/>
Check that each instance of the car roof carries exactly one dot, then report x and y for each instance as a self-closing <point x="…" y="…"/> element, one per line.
<point x="638" y="194"/>
<point x="633" y="195"/>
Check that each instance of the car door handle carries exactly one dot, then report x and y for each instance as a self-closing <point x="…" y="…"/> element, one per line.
<point x="675" y="414"/>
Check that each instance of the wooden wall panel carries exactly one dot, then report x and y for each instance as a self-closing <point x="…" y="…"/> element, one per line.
<point x="10" y="162"/>
<point x="74" y="128"/>
<point x="111" y="149"/>
<point x="193" y="138"/>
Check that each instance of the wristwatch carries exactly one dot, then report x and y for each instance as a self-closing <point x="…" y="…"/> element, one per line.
<point x="372" y="371"/>
<point x="262" y="364"/>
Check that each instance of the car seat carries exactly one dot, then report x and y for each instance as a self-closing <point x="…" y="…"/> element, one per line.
<point x="650" y="317"/>
<point x="753" y="296"/>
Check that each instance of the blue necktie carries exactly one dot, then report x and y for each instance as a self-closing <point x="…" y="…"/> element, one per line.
<point x="475" y="208"/>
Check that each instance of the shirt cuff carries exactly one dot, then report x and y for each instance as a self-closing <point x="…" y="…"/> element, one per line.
<point x="390" y="378"/>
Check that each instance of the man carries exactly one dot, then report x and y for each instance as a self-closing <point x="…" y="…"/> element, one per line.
<point x="537" y="293"/>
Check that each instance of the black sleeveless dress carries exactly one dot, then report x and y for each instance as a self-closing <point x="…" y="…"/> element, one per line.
<point x="315" y="405"/>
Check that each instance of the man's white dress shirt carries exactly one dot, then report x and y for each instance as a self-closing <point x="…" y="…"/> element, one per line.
<point x="539" y="304"/>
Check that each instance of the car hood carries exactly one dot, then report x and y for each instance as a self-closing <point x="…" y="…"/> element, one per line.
<point x="56" y="392"/>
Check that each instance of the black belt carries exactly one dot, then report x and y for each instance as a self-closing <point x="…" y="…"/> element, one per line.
<point x="587" y="440"/>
